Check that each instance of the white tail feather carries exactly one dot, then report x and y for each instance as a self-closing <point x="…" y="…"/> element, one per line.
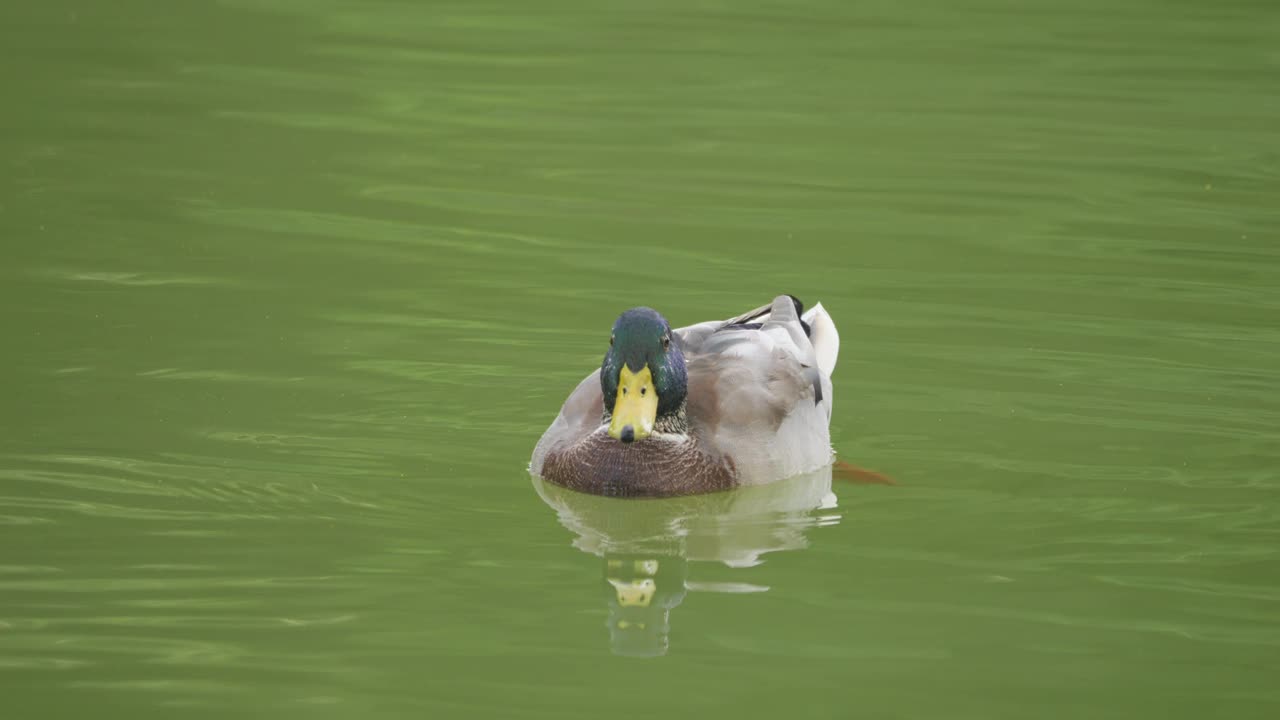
<point x="824" y="338"/>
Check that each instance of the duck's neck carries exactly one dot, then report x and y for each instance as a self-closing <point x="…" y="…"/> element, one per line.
<point x="675" y="423"/>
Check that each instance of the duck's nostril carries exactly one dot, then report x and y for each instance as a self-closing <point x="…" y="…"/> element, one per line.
<point x="628" y="434"/>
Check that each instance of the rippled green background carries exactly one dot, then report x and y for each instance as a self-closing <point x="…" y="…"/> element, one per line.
<point x="291" y="288"/>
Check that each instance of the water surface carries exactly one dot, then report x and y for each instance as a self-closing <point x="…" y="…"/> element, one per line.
<point x="291" y="289"/>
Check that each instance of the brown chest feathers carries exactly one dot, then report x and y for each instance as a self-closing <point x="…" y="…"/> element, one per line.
<point x="655" y="467"/>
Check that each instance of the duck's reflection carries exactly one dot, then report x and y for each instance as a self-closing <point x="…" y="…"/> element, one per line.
<point x="649" y="545"/>
<point x="641" y="591"/>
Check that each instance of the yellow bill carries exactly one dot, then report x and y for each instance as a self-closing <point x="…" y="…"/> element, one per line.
<point x="635" y="406"/>
<point x="634" y="593"/>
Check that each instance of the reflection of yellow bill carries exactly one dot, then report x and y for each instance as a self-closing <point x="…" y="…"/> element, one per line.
<point x="634" y="593"/>
<point x="636" y="404"/>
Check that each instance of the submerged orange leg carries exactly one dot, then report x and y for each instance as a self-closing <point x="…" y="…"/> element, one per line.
<point x="862" y="476"/>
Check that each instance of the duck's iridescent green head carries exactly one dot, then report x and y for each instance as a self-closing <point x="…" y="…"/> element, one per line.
<point x="643" y="375"/>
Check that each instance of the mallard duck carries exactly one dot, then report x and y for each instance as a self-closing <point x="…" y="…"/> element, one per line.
<point x="702" y="408"/>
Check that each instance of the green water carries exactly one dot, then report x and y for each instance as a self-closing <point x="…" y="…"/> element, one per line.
<point x="290" y="289"/>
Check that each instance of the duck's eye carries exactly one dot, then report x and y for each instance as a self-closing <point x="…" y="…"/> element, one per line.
<point x="666" y="342"/>
<point x="610" y="341"/>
